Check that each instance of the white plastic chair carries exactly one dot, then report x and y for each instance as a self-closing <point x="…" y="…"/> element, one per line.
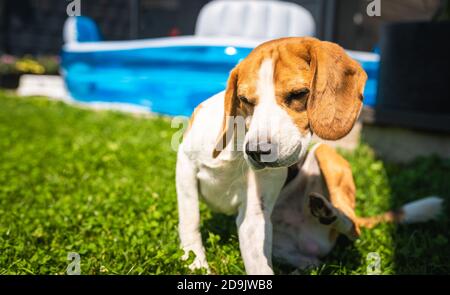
<point x="259" y="20"/>
<point x="222" y="22"/>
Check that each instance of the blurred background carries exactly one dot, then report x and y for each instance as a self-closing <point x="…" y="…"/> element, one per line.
<point x="35" y="26"/>
<point x="402" y="45"/>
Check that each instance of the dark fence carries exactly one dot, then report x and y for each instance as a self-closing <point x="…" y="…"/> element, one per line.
<point x="35" y="26"/>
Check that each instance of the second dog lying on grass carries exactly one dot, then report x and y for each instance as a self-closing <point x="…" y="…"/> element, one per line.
<point x="318" y="204"/>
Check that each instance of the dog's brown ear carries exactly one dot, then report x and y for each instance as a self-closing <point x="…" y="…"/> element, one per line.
<point x="230" y="111"/>
<point x="336" y="91"/>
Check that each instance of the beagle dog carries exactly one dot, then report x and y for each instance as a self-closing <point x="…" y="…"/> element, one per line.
<point x="318" y="205"/>
<point x="238" y="147"/>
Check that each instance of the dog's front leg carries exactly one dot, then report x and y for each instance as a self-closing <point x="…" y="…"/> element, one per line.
<point x="188" y="211"/>
<point x="253" y="221"/>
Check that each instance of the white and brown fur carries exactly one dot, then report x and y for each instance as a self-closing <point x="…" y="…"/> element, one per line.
<point x="285" y="91"/>
<point x="318" y="204"/>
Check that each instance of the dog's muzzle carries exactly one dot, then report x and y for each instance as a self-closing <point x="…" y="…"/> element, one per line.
<point x="264" y="155"/>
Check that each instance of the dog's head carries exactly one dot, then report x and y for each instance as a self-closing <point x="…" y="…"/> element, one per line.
<point x="287" y="89"/>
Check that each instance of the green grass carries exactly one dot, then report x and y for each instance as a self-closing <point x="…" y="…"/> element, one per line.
<point x="102" y="184"/>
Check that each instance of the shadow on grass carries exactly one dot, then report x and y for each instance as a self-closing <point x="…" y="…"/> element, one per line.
<point x="421" y="248"/>
<point x="344" y="258"/>
<point x="225" y="227"/>
<point x="404" y="249"/>
<point x="222" y="225"/>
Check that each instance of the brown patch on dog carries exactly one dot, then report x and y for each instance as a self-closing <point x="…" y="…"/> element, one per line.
<point x="390" y="216"/>
<point x="337" y="87"/>
<point x="316" y="83"/>
<point x="191" y="120"/>
<point x="339" y="180"/>
<point x="231" y="104"/>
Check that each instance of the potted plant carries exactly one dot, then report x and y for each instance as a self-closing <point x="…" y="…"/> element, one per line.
<point x="11" y="68"/>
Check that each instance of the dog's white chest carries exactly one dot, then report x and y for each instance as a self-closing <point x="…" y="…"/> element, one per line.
<point x="223" y="189"/>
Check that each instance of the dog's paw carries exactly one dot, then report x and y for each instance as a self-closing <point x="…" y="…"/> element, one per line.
<point x="200" y="264"/>
<point x="321" y="208"/>
<point x="199" y="260"/>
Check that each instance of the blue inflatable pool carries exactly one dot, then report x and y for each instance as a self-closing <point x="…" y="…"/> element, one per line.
<point x="165" y="75"/>
<point x="168" y="80"/>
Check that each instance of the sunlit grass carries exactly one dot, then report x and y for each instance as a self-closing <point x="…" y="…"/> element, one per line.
<point x="102" y="184"/>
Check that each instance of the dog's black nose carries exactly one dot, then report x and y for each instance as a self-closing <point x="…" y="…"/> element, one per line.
<point x="255" y="151"/>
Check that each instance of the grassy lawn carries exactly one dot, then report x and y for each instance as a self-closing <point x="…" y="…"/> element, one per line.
<point x="102" y="184"/>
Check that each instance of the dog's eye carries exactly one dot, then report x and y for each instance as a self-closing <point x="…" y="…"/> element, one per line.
<point x="297" y="94"/>
<point x="245" y="100"/>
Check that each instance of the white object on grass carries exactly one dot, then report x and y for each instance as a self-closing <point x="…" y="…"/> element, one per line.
<point x="422" y="210"/>
<point x="42" y="85"/>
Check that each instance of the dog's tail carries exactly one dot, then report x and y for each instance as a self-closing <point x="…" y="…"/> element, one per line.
<point x="417" y="211"/>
